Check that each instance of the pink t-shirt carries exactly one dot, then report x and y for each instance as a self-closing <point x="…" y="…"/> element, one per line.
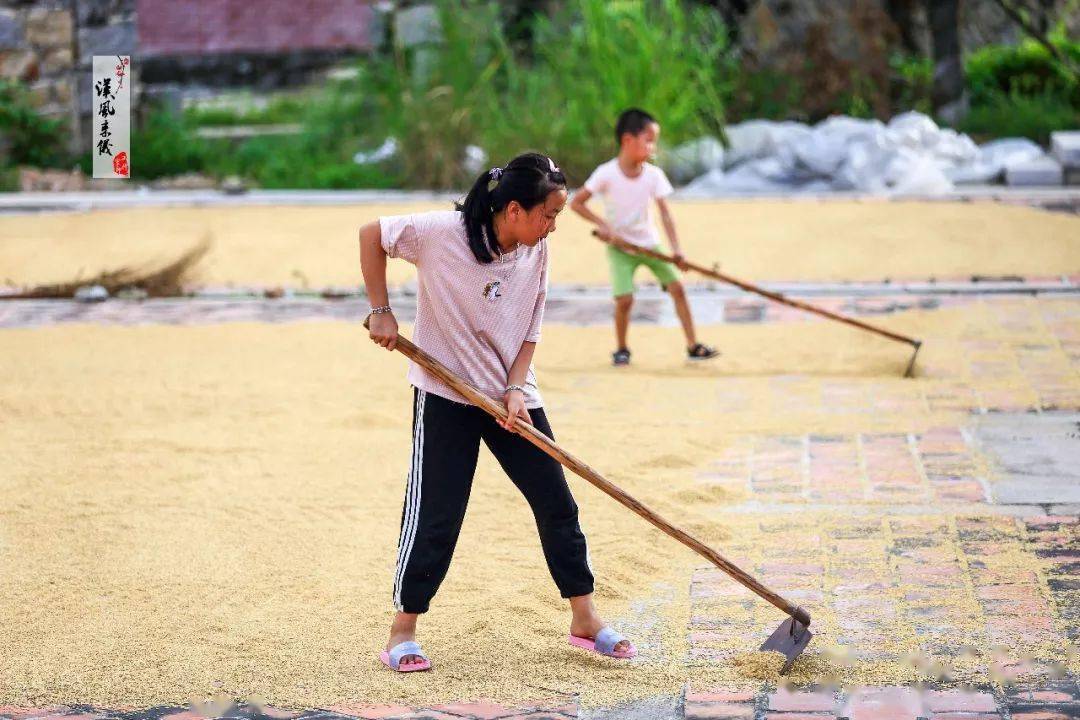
<point x="471" y="317"/>
<point x="628" y="201"/>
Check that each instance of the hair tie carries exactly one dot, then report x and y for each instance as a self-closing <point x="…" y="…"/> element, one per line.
<point x="554" y="167"/>
<point x="495" y="173"/>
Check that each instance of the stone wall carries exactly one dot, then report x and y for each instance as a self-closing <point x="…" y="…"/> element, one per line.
<point x="37" y="47"/>
<point x="839" y="48"/>
<point x="827" y="48"/>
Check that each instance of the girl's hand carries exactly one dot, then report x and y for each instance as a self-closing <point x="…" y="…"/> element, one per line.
<point x="515" y="410"/>
<point x="680" y="260"/>
<point x="383" y="330"/>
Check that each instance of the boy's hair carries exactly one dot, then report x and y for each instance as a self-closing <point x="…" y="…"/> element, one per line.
<point x="633" y="121"/>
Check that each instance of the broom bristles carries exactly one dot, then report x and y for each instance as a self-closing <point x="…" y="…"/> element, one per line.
<point x="167" y="281"/>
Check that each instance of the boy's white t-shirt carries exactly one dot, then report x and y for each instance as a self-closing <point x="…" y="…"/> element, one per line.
<point x="628" y="201"/>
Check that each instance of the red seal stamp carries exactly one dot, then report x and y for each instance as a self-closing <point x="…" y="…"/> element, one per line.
<point x="120" y="164"/>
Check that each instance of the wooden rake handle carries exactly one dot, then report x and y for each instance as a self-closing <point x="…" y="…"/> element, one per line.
<point x="777" y="297"/>
<point x="546" y="444"/>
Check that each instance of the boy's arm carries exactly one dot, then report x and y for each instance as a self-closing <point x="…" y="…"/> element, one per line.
<point x="603" y="230"/>
<point x="673" y="236"/>
<point x="577" y="204"/>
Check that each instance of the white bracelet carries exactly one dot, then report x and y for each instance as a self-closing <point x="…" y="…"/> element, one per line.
<point x="514" y="387"/>
<point x="380" y="310"/>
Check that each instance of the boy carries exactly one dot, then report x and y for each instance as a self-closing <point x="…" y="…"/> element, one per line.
<point x="627" y="184"/>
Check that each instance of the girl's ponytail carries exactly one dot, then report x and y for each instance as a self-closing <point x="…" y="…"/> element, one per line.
<point x="527" y="179"/>
<point x="477" y="212"/>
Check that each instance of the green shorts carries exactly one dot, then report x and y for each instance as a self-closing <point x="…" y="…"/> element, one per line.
<point x="623" y="264"/>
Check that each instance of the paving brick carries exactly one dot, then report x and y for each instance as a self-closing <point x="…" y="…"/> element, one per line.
<point x="889" y="703"/>
<point x="1044" y="715"/>
<point x="1052" y="521"/>
<point x="1050" y="696"/>
<point x="794" y="701"/>
<point x="965" y="716"/>
<point x="371" y="712"/>
<point x="718" y="711"/>
<point x="25" y="713"/>
<point x="1006" y="592"/>
<point x="718" y="695"/>
<point x="421" y="714"/>
<point x="944" y="701"/>
<point x="480" y="710"/>
<point x="278" y="713"/>
<point x="798" y="716"/>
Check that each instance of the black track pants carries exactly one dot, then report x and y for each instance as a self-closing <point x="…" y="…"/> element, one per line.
<point x="446" y="442"/>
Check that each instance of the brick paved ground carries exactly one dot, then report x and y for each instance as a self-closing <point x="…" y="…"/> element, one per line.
<point x="921" y="530"/>
<point x="713" y="303"/>
<point x="868" y="530"/>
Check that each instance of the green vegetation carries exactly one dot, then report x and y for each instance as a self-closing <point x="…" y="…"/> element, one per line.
<point x="1023" y="89"/>
<point x="1017" y="115"/>
<point x="478" y="85"/>
<point x="1015" y="90"/>
<point x="279" y="110"/>
<point x="1027" y="69"/>
<point x="27" y="138"/>
<point x="471" y="89"/>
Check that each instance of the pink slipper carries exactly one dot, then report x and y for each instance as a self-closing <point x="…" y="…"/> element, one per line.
<point x="392" y="659"/>
<point x="605" y="643"/>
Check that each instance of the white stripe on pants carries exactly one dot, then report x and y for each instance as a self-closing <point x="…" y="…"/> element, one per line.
<point x="412" y="499"/>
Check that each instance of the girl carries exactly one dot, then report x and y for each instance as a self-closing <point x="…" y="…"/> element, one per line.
<point x="482" y="280"/>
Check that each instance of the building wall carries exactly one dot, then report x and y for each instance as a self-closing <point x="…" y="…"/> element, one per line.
<point x="167" y="27"/>
<point x="38" y="48"/>
<point x="49" y="45"/>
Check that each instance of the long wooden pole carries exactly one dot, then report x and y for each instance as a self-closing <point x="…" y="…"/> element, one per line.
<point x="715" y="274"/>
<point x="548" y="445"/>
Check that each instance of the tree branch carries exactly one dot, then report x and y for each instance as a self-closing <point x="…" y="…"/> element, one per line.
<point x="1016" y="16"/>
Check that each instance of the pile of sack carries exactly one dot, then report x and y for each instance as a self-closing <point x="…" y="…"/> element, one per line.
<point x="908" y="155"/>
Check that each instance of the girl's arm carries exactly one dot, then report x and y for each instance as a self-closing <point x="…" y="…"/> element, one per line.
<point x="515" y="399"/>
<point x="669" y="228"/>
<point x="382" y="327"/>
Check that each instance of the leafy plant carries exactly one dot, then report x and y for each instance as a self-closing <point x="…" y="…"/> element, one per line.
<point x="587" y="65"/>
<point x="26" y="136"/>
<point x="1015" y="114"/>
<point x="281" y="109"/>
<point x="166" y="145"/>
<point x="765" y="94"/>
<point x="666" y="57"/>
<point x="1026" y="69"/>
<point x="913" y="79"/>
